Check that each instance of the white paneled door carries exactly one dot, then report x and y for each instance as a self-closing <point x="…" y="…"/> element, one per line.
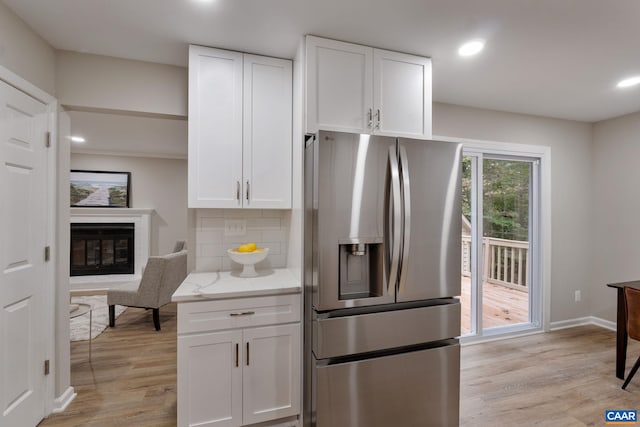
<point x="23" y="221"/>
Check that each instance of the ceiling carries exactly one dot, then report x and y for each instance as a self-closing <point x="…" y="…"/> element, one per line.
<point x="543" y="57"/>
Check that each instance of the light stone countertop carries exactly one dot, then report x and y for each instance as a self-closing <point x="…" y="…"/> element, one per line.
<point x="199" y="286"/>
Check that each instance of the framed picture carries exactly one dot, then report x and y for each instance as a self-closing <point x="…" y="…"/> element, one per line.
<point x="100" y="189"/>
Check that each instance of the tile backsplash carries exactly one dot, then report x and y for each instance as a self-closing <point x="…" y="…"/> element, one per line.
<point x="268" y="228"/>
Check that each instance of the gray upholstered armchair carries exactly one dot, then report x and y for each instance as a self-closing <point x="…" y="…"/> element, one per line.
<point x="161" y="277"/>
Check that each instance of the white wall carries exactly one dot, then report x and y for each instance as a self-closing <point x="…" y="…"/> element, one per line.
<point x="26" y="53"/>
<point x="616" y="209"/>
<point x="106" y="83"/>
<point x="571" y="198"/>
<point x="159" y="184"/>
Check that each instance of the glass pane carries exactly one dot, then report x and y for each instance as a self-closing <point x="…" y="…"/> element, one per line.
<point x="77" y="257"/>
<point x="93" y="252"/>
<point x="107" y="252"/>
<point x="465" y="297"/>
<point x="122" y="251"/>
<point x="505" y="245"/>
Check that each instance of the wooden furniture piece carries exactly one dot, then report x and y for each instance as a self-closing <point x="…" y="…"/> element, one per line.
<point x="621" y="325"/>
<point x="161" y="277"/>
<point x="632" y="311"/>
<point x="80" y="310"/>
<point x="240" y="130"/>
<point x="361" y="89"/>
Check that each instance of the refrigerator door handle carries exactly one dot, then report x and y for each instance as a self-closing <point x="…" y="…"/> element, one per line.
<point x="394" y="223"/>
<point x="406" y="193"/>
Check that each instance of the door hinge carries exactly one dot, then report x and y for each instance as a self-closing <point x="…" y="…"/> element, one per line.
<point x="48" y="140"/>
<point x="46" y="367"/>
<point x="47" y="253"/>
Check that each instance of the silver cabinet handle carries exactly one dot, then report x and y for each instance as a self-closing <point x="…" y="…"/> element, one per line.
<point x="243" y="313"/>
<point x="370" y="116"/>
<point x="238" y="190"/>
<point x="247" y="191"/>
<point x="379" y="118"/>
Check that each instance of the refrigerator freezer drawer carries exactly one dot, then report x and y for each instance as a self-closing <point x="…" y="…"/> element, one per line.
<point x="342" y="336"/>
<point x="414" y="389"/>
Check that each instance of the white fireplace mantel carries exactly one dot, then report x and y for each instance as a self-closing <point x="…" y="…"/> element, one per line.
<point x="141" y="218"/>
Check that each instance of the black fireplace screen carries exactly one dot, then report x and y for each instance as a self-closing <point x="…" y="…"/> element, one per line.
<point x="102" y="248"/>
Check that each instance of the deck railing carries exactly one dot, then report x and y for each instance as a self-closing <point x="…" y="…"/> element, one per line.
<point x="504" y="262"/>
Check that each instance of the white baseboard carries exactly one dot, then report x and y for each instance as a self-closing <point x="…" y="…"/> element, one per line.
<point x="581" y="321"/>
<point x="61" y="402"/>
<point x="607" y="324"/>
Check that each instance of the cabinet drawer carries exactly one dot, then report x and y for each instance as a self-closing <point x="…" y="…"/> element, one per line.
<point x="214" y="315"/>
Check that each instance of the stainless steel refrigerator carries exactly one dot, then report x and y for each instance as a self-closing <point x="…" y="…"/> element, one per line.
<point x="382" y="268"/>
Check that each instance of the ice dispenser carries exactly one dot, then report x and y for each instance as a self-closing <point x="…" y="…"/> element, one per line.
<point x="360" y="270"/>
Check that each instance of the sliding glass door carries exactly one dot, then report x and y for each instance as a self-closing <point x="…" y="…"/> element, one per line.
<point x="500" y="236"/>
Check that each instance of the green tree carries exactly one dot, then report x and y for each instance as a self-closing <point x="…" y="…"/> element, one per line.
<point x="505" y="197"/>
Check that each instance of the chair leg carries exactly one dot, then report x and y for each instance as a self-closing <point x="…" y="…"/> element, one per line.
<point x="112" y="316"/>
<point x="632" y="373"/>
<point x="156" y="318"/>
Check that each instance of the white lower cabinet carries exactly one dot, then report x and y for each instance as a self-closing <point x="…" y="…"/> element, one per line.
<point x="242" y="376"/>
<point x="271" y="373"/>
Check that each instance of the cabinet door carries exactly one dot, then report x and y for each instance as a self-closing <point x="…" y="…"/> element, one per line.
<point x="401" y="94"/>
<point x="215" y="128"/>
<point x="267" y="132"/>
<point x="339" y="86"/>
<point x="210" y="379"/>
<point x="271" y="376"/>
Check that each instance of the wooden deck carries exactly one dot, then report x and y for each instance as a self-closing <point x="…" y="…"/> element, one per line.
<point x="501" y="306"/>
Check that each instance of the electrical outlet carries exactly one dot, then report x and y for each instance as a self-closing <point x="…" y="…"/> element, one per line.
<point x="578" y="296"/>
<point x="235" y="227"/>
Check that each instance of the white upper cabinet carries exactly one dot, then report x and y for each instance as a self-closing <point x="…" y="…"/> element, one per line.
<point x="354" y="88"/>
<point x="339" y="81"/>
<point x="240" y="109"/>
<point x="401" y="94"/>
<point x="267" y="132"/>
<point x="215" y="127"/>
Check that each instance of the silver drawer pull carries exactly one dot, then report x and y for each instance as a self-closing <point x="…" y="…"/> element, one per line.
<point x="244" y="313"/>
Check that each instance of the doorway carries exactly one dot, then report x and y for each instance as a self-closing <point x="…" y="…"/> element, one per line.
<point x="501" y="235"/>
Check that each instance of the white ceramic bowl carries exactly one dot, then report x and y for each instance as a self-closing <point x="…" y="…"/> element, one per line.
<point x="248" y="260"/>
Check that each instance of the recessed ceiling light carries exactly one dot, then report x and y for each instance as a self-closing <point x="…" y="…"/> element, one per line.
<point x="631" y="81"/>
<point x="78" y="139"/>
<point x="471" y="48"/>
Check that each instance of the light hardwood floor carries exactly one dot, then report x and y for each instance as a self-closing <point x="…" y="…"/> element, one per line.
<point x="563" y="378"/>
<point x="131" y="379"/>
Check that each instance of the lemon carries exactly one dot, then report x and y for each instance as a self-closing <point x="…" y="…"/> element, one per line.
<point x="248" y="247"/>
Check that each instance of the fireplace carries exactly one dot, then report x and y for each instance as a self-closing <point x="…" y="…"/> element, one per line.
<point x="102" y="248"/>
